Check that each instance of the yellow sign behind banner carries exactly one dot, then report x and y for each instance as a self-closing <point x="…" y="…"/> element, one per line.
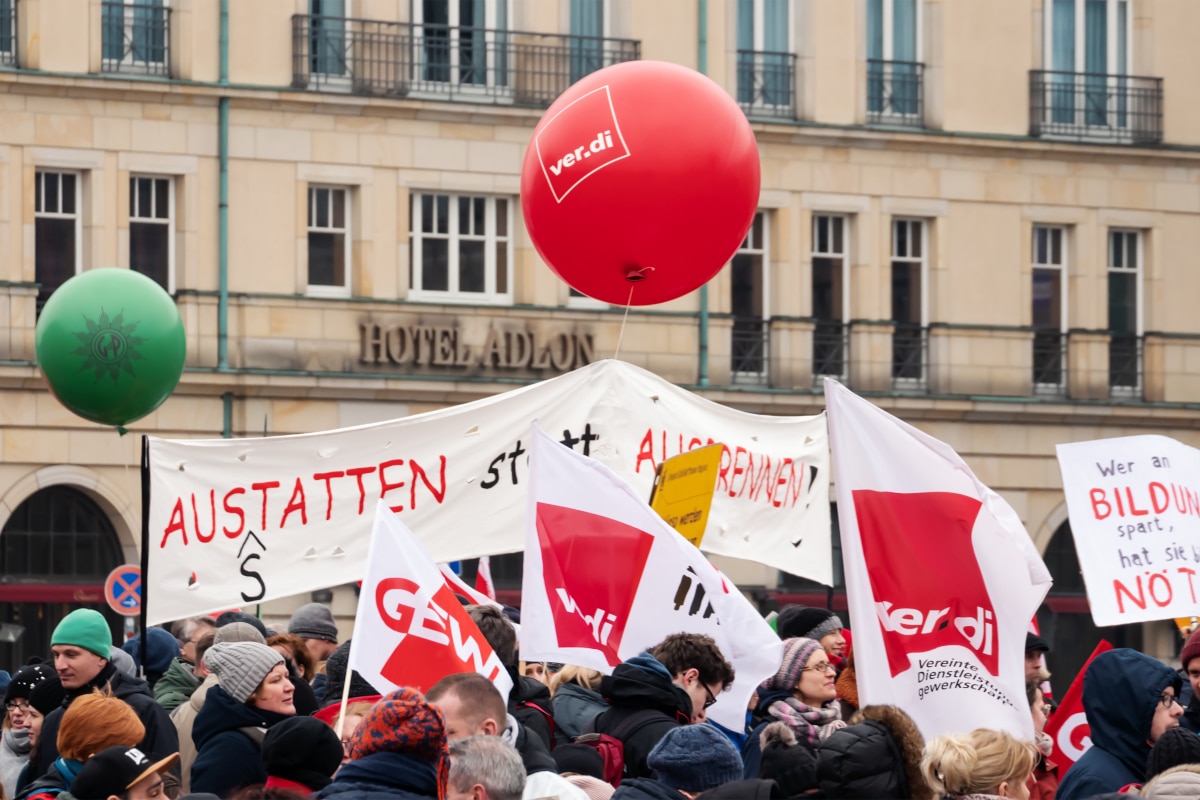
<point x="683" y="490"/>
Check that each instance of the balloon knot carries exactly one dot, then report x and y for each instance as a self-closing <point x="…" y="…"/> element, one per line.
<point x="635" y="274"/>
<point x="121" y="430"/>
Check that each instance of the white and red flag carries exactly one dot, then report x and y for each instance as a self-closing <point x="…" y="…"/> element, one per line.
<point x="941" y="576"/>
<point x="605" y="578"/>
<point x="483" y="578"/>
<point x="1068" y="728"/>
<point x="410" y="630"/>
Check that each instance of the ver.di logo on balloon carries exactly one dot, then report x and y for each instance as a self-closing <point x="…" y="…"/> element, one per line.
<point x="579" y="140"/>
<point x="109" y="346"/>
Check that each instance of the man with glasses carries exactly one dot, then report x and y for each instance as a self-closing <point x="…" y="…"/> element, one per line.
<point x="671" y="684"/>
<point x="187" y="671"/>
<point x="1130" y="700"/>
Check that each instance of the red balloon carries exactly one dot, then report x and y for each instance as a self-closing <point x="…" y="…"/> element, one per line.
<point x="643" y="175"/>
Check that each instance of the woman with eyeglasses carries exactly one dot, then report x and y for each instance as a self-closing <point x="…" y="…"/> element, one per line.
<point x="23" y="720"/>
<point x="802" y="694"/>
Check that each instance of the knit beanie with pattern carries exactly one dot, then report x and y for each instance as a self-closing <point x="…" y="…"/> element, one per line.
<point x="695" y="758"/>
<point x="796" y="653"/>
<point x="402" y="722"/>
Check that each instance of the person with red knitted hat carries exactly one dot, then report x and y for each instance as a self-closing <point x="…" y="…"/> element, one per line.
<point x="1189" y="658"/>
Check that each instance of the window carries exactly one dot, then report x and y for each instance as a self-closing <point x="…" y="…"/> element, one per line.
<point x="8" y="33"/>
<point x="463" y="42"/>
<point x="1125" y="312"/>
<point x="587" y="37"/>
<point x="765" y="60"/>
<point x="1049" y="313"/>
<point x="893" y="61"/>
<point x="328" y="241"/>
<point x="830" y="295"/>
<point x="135" y="36"/>
<point x="909" y="275"/>
<point x="1087" y="47"/>
<point x="152" y="229"/>
<point x="461" y="248"/>
<point x="57" y="231"/>
<point x="748" y="303"/>
<point x="327" y="34"/>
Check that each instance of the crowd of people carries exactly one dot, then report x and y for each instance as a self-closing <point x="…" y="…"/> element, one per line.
<point x="227" y="708"/>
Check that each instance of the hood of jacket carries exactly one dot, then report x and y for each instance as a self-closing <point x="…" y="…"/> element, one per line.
<point x="645" y="789"/>
<point x="643" y="682"/>
<point x="534" y="755"/>
<point x="221" y="712"/>
<point x="179" y="680"/>
<point x="1121" y="689"/>
<point x="575" y="706"/>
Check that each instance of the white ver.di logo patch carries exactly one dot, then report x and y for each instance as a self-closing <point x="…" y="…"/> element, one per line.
<point x="578" y="141"/>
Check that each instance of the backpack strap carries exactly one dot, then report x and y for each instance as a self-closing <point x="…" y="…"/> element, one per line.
<point x="635" y="722"/>
<point x="544" y="713"/>
<point x="255" y="734"/>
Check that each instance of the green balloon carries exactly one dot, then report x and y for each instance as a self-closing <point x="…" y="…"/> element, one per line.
<point x="111" y="345"/>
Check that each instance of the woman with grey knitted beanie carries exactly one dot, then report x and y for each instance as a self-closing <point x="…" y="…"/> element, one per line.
<point x="253" y="693"/>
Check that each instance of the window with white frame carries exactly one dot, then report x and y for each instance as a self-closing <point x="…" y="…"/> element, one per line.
<point x="461" y="247"/>
<point x="910" y="274"/>
<point x="893" y="57"/>
<point x="463" y="42"/>
<point x="135" y="36"/>
<point x="830" y="294"/>
<point x="1049" y="307"/>
<point x="152" y="229"/>
<point x="1125" y="311"/>
<point x="328" y="240"/>
<point x="748" y="302"/>
<point x="1087" y="49"/>
<point x="764" y="43"/>
<point x="58" y="235"/>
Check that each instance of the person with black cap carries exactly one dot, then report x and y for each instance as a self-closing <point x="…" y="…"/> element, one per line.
<point x="1035" y="647"/>
<point x="301" y="753"/>
<point x="17" y="742"/>
<point x="120" y="773"/>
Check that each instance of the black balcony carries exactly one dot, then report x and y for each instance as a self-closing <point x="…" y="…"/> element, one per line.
<point x="767" y="84"/>
<point x="135" y="38"/>
<point x="749" y="349"/>
<point x="1082" y="106"/>
<point x="8" y="33"/>
<point x="910" y="347"/>
<point x="1125" y="366"/>
<point x="1049" y="362"/>
<point x="895" y="93"/>
<point x="400" y="59"/>
<point x="831" y="343"/>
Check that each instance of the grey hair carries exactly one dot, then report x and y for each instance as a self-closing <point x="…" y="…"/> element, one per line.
<point x="490" y="762"/>
<point x="185" y="629"/>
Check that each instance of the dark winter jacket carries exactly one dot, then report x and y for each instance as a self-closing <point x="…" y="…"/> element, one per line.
<point x="752" y="747"/>
<point x="176" y="685"/>
<point x="53" y="782"/>
<point x="161" y="738"/>
<point x="384" y="776"/>
<point x="1190" y="703"/>
<point x="752" y="789"/>
<point x="639" y="684"/>
<point x="534" y="753"/>
<point x="1121" y="690"/>
<point x="304" y="699"/>
<point x="574" y="708"/>
<point x="228" y="759"/>
<point x="527" y="692"/>
<point x="645" y="789"/>
<point x="878" y="757"/>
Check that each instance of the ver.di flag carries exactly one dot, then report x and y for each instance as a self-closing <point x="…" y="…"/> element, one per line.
<point x="941" y="576"/>
<point x="410" y="630"/>
<point x="606" y="578"/>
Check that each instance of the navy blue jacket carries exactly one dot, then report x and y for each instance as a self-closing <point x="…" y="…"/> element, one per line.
<point x="227" y="759"/>
<point x="383" y="776"/>
<point x="1121" y="691"/>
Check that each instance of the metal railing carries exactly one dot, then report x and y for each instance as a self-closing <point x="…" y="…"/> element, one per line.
<point x="831" y="345"/>
<point x="910" y="348"/>
<point x="766" y="83"/>
<point x="135" y="37"/>
<point x="896" y="93"/>
<point x="8" y="33"/>
<point x="1049" y="362"/>
<point x="401" y="59"/>
<point x="750" y="349"/>
<point x="1092" y="106"/>
<point x="1125" y="365"/>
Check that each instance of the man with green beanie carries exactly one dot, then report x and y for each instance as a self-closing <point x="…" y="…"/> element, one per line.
<point x="81" y="645"/>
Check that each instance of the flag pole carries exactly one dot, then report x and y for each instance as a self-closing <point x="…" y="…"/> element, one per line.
<point x="345" y="699"/>
<point x="145" y="560"/>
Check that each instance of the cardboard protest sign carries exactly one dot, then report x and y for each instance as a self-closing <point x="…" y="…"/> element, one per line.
<point x="237" y="521"/>
<point x="941" y="577"/>
<point x="605" y="578"/>
<point x="683" y="490"/>
<point x="410" y="630"/>
<point x="1134" y="504"/>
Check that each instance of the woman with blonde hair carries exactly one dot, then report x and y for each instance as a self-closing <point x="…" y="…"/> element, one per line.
<point x="981" y="764"/>
<point x="574" y="701"/>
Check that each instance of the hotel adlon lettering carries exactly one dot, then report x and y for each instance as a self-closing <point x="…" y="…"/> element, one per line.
<point x="447" y="346"/>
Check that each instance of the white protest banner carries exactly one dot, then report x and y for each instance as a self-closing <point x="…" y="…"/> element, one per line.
<point x="237" y="521"/>
<point x="1134" y="505"/>
<point x="941" y="576"/>
<point x="605" y="578"/>
<point x="410" y="630"/>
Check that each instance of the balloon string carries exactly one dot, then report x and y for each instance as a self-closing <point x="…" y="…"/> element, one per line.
<point x="624" y="319"/>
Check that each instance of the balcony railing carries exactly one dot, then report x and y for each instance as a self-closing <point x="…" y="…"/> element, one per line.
<point x="1125" y="365"/>
<point x="399" y="59"/>
<point x="831" y="344"/>
<point x="750" y="349"/>
<point x="1049" y="362"/>
<point x="895" y="93"/>
<point x="767" y="83"/>
<point x="910" y="354"/>
<point x="8" y="33"/>
<point x="1088" y="106"/>
<point x="135" y="37"/>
